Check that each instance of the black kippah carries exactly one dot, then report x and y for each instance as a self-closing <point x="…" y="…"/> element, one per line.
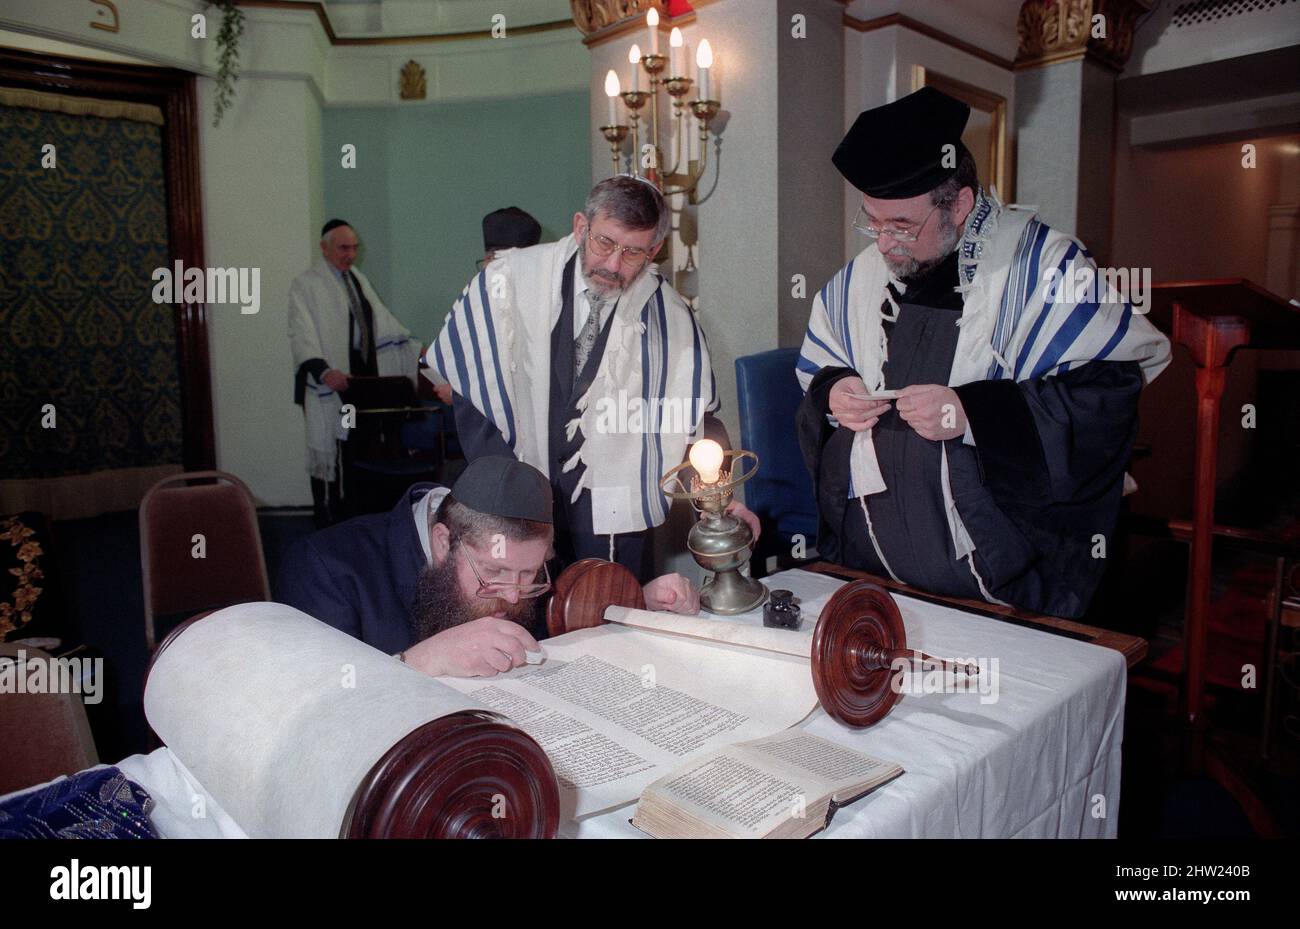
<point x="332" y="225"/>
<point x="510" y="228"/>
<point x="899" y="150"/>
<point x="500" y="486"/>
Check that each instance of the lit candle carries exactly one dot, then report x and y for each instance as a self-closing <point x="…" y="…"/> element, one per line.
<point x="704" y="61"/>
<point x="611" y="91"/>
<point x="634" y="58"/>
<point x="674" y="52"/>
<point x="652" y="22"/>
<point x="706" y="459"/>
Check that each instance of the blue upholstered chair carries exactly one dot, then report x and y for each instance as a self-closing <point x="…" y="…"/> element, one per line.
<point x="782" y="492"/>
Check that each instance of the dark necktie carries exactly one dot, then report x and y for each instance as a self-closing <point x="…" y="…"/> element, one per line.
<point x="358" y="312"/>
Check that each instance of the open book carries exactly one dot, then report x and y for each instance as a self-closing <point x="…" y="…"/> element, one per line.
<point x="786" y="786"/>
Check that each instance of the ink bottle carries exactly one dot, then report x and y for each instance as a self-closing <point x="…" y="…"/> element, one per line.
<point x="781" y="611"/>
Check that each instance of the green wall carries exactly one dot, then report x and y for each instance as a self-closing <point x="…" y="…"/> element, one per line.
<point x="426" y="174"/>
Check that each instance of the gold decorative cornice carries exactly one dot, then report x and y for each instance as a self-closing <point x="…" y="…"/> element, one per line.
<point x="1061" y="30"/>
<point x="594" y="15"/>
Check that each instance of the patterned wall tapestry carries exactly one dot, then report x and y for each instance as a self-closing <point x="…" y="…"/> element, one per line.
<point x="78" y="327"/>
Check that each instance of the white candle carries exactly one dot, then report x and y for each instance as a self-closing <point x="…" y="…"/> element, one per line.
<point x="674" y="52"/>
<point x="634" y="58"/>
<point x="704" y="61"/>
<point x="611" y="91"/>
<point x="652" y="22"/>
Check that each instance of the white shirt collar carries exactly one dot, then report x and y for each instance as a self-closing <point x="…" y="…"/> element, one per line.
<point x="420" y="510"/>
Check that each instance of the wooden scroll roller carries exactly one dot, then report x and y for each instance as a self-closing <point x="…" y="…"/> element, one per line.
<point x="299" y="730"/>
<point x="855" y="645"/>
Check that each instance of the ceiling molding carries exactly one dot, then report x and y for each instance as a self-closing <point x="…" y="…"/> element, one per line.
<point x="335" y="39"/>
<point x="906" y="22"/>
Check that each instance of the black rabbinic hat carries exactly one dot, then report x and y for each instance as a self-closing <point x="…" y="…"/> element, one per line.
<point x="897" y="151"/>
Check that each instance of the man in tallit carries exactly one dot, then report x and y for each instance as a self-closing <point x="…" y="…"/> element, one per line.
<point x="338" y="328"/>
<point x="997" y="470"/>
<point x="578" y="358"/>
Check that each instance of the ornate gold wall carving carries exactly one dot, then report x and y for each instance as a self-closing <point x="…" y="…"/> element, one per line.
<point x="593" y="15"/>
<point x="1058" y="30"/>
<point x="413" y="84"/>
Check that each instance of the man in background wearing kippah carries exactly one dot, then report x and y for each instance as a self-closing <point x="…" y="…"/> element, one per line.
<point x="450" y="580"/>
<point x="338" y="327"/>
<point x="503" y="229"/>
<point x="1000" y="461"/>
<point x="506" y="228"/>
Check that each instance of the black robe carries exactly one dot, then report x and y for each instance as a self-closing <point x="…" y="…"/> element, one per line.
<point x="1041" y="483"/>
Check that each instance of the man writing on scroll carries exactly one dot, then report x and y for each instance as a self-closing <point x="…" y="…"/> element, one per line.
<point x="578" y="358"/>
<point x="451" y="579"/>
<point x="998" y="467"/>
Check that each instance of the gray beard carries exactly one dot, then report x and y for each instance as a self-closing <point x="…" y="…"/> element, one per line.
<point x="911" y="269"/>
<point x="605" y="296"/>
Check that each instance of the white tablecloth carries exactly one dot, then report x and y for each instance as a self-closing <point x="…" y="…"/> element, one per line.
<point x="1043" y="761"/>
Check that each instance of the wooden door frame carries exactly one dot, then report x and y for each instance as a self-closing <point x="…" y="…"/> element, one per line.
<point x="172" y="91"/>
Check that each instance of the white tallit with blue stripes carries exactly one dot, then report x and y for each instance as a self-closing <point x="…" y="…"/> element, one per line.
<point x="1012" y="326"/>
<point x="494" y="350"/>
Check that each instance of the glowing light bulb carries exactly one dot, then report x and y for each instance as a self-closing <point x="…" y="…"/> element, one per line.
<point x="706" y="459"/>
<point x="674" y="52"/>
<point x="652" y="23"/>
<point x="704" y="54"/>
<point x="703" y="61"/>
<point x="611" y="91"/>
<point x="634" y="62"/>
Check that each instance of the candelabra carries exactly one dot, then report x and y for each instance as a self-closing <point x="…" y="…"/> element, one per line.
<point x="663" y="73"/>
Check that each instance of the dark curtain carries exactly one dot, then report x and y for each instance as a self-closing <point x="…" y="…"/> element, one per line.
<point x="78" y="326"/>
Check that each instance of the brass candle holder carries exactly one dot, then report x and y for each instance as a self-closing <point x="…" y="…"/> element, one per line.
<point x="719" y="542"/>
<point x="614" y="135"/>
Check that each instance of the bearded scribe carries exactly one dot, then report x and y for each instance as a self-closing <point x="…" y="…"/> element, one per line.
<point x="578" y="358"/>
<point x="1002" y="457"/>
<point x="449" y="580"/>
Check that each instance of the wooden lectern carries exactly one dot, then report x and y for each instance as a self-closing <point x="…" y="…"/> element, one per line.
<point x="1213" y="319"/>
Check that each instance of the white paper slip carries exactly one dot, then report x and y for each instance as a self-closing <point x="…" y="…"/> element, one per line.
<point x="878" y="395"/>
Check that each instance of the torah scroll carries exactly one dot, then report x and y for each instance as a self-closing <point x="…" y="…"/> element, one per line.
<point x="300" y="730"/>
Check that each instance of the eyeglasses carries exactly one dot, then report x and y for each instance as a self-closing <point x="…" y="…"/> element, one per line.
<point x="603" y="247"/>
<point x="863" y="225"/>
<point x="492" y="590"/>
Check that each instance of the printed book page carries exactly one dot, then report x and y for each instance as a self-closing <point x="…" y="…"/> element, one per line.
<point x="615" y="708"/>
